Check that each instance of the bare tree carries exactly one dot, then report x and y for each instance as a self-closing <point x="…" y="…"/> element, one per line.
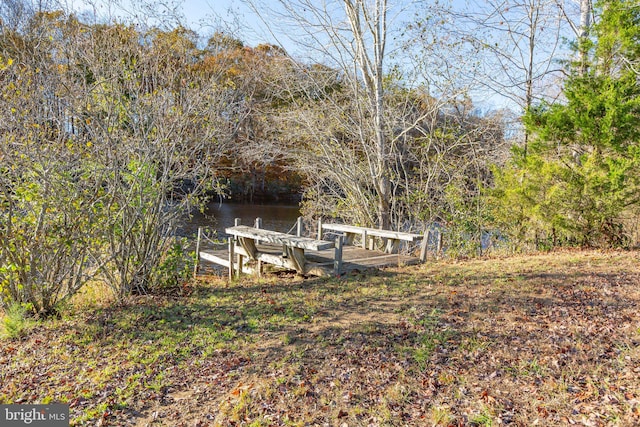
<point x="352" y="36"/>
<point x="159" y="133"/>
<point x="50" y="222"/>
<point x="376" y="150"/>
<point x="517" y="43"/>
<point x="112" y="133"/>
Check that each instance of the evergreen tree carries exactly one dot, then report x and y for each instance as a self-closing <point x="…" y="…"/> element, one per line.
<point x="580" y="178"/>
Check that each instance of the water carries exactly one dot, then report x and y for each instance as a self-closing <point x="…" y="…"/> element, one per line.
<point x="219" y="216"/>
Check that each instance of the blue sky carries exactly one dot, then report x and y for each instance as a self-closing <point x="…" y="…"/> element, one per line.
<point x="203" y="16"/>
<point x="204" y="12"/>
<point x="195" y="10"/>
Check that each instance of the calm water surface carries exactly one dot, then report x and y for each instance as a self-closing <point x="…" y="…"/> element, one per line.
<point x="219" y="216"/>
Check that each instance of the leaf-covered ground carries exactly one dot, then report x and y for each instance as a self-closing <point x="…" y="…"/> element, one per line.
<point x="541" y="340"/>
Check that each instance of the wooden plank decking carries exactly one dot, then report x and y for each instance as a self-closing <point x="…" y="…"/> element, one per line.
<point x="353" y="258"/>
<point x="252" y="249"/>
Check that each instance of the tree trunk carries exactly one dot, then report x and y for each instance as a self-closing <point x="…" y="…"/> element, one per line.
<point x="585" y="22"/>
<point x="371" y="68"/>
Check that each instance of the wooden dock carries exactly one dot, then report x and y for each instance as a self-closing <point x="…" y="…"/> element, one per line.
<point x="353" y="259"/>
<point x="255" y="250"/>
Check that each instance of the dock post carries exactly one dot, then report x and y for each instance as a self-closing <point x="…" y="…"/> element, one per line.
<point x="258" y="224"/>
<point x="231" y="257"/>
<point x="320" y="228"/>
<point x="299" y="227"/>
<point x="424" y="246"/>
<point x="237" y="222"/>
<point x="196" y="265"/>
<point x="337" y="259"/>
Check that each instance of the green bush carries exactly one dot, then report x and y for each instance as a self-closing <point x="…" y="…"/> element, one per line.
<point x="175" y="266"/>
<point x="16" y="321"/>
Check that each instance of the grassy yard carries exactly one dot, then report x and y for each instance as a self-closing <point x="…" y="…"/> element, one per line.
<point x="538" y="340"/>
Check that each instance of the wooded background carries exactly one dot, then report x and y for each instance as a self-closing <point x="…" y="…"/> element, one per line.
<point x="114" y="128"/>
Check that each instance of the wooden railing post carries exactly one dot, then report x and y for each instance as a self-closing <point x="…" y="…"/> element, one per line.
<point x="439" y="247"/>
<point x="232" y="245"/>
<point x="258" y="224"/>
<point x="424" y="246"/>
<point x="337" y="259"/>
<point x="196" y="265"/>
<point x="299" y="227"/>
<point x="237" y="222"/>
<point x="319" y="228"/>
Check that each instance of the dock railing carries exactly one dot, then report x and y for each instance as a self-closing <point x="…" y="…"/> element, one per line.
<point x="242" y="247"/>
<point x="391" y="239"/>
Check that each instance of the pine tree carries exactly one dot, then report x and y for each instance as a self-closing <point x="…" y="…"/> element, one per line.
<point x="580" y="178"/>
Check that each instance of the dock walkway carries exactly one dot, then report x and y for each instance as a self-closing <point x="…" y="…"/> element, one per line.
<point x="253" y="250"/>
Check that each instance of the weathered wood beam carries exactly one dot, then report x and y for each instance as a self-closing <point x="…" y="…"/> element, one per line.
<point x="224" y="262"/>
<point x="196" y="265"/>
<point x="392" y="246"/>
<point x="232" y="245"/>
<point x="299" y="227"/>
<point x="337" y="256"/>
<point x="249" y="246"/>
<point x="297" y="256"/>
<point x="276" y="260"/>
<point x="279" y="238"/>
<point x="345" y="228"/>
<point x="424" y="246"/>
